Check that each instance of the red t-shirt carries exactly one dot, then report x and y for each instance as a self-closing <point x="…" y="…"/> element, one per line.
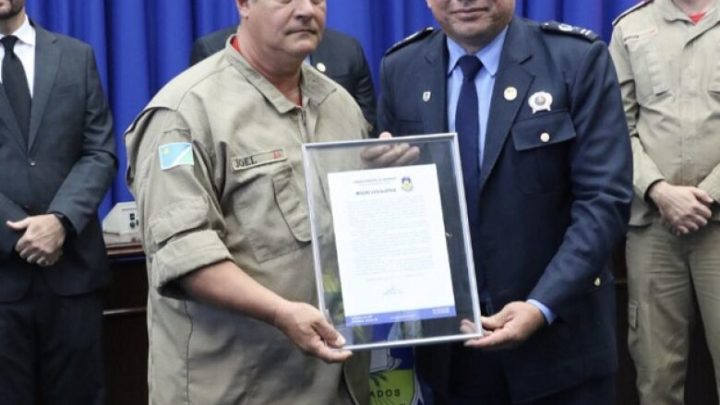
<point x="697" y="16"/>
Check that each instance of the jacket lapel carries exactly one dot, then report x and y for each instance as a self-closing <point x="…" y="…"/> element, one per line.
<point x="502" y="115"/>
<point x="433" y="93"/>
<point x="321" y="54"/>
<point x="47" y="60"/>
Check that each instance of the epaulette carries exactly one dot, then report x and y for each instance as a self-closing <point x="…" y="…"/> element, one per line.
<point x="630" y="10"/>
<point x="562" y="28"/>
<point x="409" y="40"/>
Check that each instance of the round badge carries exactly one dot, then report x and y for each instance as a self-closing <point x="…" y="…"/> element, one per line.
<point x="541" y="101"/>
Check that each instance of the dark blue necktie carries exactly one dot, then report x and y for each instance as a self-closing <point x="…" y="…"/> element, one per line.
<point x="16" y="85"/>
<point x="467" y="125"/>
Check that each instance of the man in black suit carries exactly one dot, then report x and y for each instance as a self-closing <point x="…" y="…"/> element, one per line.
<point x="56" y="163"/>
<point x="338" y="56"/>
<point x="547" y="168"/>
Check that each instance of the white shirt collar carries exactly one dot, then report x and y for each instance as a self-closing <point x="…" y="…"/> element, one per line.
<point x="489" y="55"/>
<point x="25" y="33"/>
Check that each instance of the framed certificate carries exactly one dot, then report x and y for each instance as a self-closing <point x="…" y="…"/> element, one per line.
<point x="393" y="258"/>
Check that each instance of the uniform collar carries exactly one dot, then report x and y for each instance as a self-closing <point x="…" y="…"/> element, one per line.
<point x="488" y="55"/>
<point x="712" y="16"/>
<point x="315" y="88"/>
<point x="25" y="33"/>
<point x="671" y="12"/>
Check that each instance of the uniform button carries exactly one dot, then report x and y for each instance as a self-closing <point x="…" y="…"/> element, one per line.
<point x="545" y="137"/>
<point x="597" y="282"/>
<point x="32" y="162"/>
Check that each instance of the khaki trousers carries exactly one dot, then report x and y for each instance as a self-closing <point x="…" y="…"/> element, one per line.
<point x="664" y="273"/>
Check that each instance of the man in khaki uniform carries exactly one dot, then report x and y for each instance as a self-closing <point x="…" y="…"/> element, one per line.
<point x="215" y="165"/>
<point x="666" y="53"/>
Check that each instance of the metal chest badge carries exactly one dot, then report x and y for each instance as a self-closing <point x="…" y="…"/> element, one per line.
<point x="541" y="101"/>
<point x="510" y="94"/>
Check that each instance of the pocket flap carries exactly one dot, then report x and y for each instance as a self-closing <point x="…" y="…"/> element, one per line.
<point x="293" y="209"/>
<point x="547" y="129"/>
<point x="715" y="78"/>
<point x="632" y="314"/>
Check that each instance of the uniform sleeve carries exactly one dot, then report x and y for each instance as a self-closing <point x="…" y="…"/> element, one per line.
<point x="386" y="115"/>
<point x="645" y="171"/>
<point x="364" y="92"/>
<point x="170" y="175"/>
<point x="711" y="184"/>
<point x="600" y="164"/>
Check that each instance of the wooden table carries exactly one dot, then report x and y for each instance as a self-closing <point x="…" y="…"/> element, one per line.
<point x="124" y="325"/>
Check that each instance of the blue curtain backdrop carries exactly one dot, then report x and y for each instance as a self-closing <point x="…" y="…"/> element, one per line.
<point x="141" y="44"/>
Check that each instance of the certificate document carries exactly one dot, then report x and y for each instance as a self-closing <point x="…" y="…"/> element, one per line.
<point x="391" y="245"/>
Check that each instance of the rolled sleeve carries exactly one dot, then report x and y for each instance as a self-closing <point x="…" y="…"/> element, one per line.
<point x="181" y="218"/>
<point x="182" y="241"/>
<point x="186" y="254"/>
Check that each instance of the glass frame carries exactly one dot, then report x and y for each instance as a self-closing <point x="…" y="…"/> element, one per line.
<point x="323" y="160"/>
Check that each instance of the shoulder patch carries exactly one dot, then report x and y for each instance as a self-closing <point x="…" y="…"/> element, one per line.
<point x="175" y="154"/>
<point x="631" y="10"/>
<point x="562" y="28"/>
<point x="410" y="39"/>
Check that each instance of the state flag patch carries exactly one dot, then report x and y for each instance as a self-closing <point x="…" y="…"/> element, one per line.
<point x="175" y="154"/>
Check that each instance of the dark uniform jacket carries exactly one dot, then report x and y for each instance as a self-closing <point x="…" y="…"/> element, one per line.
<point x="555" y="190"/>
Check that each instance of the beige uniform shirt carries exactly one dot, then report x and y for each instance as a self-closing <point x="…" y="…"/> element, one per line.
<point x="669" y="73"/>
<point x="215" y="165"/>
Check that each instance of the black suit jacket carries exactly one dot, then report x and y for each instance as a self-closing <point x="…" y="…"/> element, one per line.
<point x="341" y="55"/>
<point x="66" y="167"/>
<point x="555" y="193"/>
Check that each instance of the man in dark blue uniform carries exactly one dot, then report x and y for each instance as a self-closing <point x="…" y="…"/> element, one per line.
<point x="547" y="168"/>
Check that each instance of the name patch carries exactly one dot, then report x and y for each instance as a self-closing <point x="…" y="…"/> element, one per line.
<point x="258" y="159"/>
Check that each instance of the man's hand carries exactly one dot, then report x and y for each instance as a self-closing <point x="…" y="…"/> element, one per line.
<point x="311" y="332"/>
<point x="42" y="239"/>
<point x="686" y="209"/>
<point x="513" y="325"/>
<point x="390" y="155"/>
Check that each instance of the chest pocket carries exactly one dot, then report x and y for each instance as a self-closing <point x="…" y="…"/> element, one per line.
<point x="274" y="214"/>
<point x="542" y="145"/>
<point x="714" y="87"/>
<point x="650" y="69"/>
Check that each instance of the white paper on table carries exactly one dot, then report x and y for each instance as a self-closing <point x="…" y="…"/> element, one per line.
<point x="391" y="246"/>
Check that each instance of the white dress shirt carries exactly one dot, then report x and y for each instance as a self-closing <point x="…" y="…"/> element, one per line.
<point x="25" y="50"/>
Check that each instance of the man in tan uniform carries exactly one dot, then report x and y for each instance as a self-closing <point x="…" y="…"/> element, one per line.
<point x="215" y="165"/>
<point x="666" y="53"/>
